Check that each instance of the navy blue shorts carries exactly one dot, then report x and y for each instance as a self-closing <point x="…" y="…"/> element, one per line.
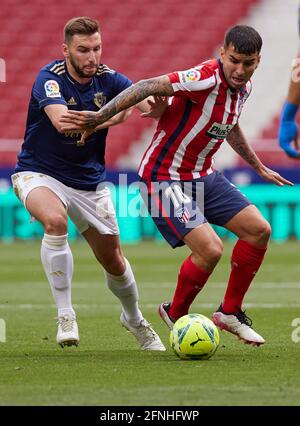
<point x="178" y="207"/>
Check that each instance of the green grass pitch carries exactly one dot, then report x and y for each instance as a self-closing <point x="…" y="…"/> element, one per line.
<point x="109" y="369"/>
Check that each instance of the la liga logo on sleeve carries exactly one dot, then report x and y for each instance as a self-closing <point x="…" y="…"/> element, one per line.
<point x="52" y="89"/>
<point x="189" y="76"/>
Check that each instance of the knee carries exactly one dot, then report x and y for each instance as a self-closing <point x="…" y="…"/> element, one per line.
<point x="113" y="264"/>
<point x="210" y="254"/>
<point x="56" y="224"/>
<point x="214" y="251"/>
<point x="261" y="233"/>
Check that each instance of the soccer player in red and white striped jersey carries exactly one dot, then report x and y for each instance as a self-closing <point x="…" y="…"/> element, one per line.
<point x="206" y="104"/>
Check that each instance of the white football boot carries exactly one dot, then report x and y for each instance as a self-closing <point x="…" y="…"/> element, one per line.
<point x="144" y="334"/>
<point x="238" y="324"/>
<point x="67" y="332"/>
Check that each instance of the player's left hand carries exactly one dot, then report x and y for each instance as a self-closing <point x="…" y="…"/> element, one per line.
<point x="157" y="107"/>
<point x="273" y="177"/>
<point x="288" y="131"/>
<point x="73" y="121"/>
<point x="288" y="138"/>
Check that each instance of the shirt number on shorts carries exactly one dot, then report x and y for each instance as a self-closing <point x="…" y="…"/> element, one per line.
<point x="175" y="194"/>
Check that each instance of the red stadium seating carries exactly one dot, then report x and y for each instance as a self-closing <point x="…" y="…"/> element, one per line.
<point x="141" y="39"/>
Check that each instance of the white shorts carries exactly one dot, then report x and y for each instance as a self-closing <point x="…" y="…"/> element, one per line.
<point x="85" y="208"/>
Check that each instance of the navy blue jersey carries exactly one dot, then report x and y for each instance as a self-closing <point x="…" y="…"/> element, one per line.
<point x="47" y="151"/>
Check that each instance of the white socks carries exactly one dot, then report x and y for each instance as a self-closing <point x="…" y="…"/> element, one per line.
<point x="57" y="260"/>
<point x="125" y="288"/>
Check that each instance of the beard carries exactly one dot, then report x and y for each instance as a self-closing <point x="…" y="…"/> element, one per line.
<point x="81" y="72"/>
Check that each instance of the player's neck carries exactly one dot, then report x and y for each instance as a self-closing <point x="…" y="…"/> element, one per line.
<point x="75" y="76"/>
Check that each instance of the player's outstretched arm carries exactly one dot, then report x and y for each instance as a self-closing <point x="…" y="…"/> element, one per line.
<point x="117" y="119"/>
<point x="238" y="142"/>
<point x="288" y="129"/>
<point x="85" y="120"/>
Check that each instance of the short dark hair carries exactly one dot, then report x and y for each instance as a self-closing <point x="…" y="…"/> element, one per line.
<point x="244" y="39"/>
<point x="80" y="25"/>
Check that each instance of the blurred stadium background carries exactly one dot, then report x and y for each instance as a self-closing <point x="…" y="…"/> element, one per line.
<point x="143" y="39"/>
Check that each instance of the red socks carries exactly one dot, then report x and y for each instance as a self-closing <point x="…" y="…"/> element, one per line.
<point x="245" y="262"/>
<point x="191" y="279"/>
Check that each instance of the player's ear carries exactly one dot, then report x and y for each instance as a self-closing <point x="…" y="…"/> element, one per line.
<point x="258" y="60"/>
<point x="65" y="50"/>
<point x="222" y="53"/>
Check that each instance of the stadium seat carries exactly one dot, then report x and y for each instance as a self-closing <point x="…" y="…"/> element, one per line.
<point x="140" y="40"/>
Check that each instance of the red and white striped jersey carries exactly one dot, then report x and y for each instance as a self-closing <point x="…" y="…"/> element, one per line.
<point x="202" y="113"/>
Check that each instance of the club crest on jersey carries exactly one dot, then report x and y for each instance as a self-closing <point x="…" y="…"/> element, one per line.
<point x="219" y="131"/>
<point x="240" y="105"/>
<point x="183" y="215"/>
<point x="52" y="89"/>
<point x="99" y="99"/>
<point x="189" y="76"/>
<point x="242" y="99"/>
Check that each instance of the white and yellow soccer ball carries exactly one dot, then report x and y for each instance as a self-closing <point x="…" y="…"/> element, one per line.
<point x="194" y="336"/>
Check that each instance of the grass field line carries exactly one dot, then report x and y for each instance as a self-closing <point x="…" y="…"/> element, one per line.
<point x="138" y="267"/>
<point x="116" y="307"/>
<point x="152" y="284"/>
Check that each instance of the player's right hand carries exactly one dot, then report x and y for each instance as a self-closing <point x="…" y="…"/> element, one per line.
<point x="73" y="121"/>
<point x="288" y="131"/>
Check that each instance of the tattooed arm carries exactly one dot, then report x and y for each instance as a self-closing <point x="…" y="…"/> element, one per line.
<point x="86" y="120"/>
<point x="238" y="142"/>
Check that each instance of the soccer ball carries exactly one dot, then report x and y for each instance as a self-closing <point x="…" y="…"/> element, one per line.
<point x="194" y="336"/>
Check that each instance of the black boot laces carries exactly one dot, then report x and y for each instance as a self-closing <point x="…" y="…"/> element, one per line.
<point x="242" y="317"/>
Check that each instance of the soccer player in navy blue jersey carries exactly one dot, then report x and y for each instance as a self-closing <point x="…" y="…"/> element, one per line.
<point x="288" y="129"/>
<point x="59" y="175"/>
